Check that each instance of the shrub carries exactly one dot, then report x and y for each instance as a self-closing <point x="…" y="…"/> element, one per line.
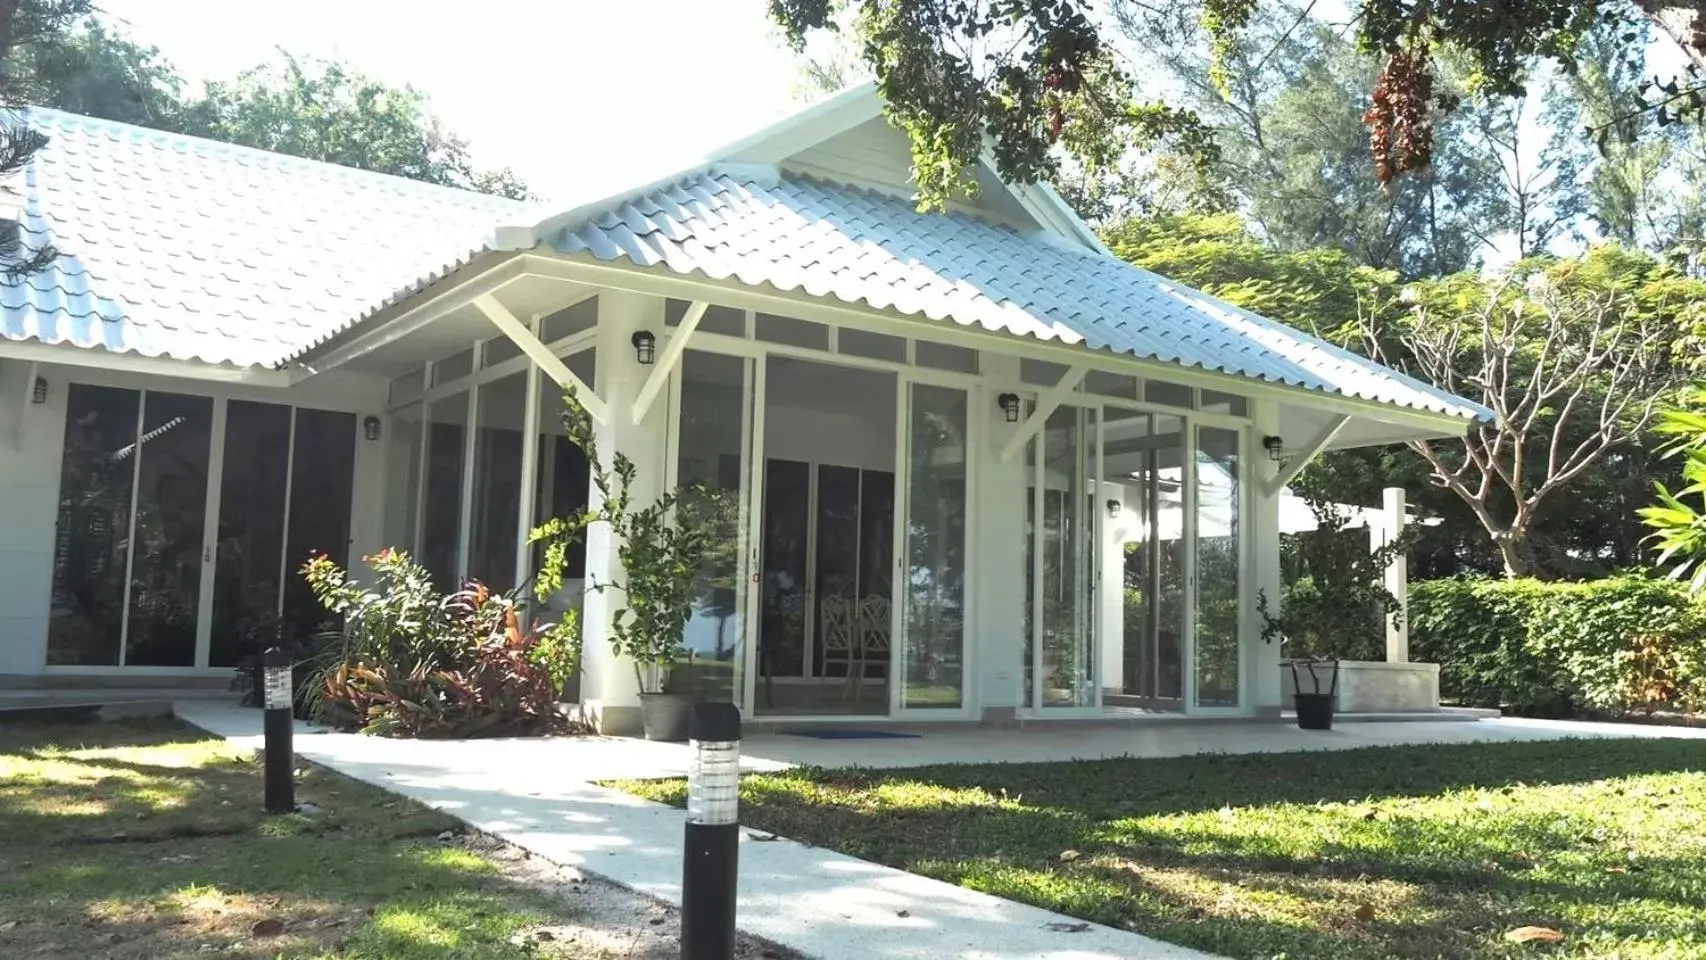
<point x="1623" y="644"/>
<point x="411" y="662"/>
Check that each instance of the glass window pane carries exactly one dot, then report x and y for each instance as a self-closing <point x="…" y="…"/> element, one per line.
<point x="796" y="333"/>
<point x="250" y="560"/>
<point x="402" y="477"/>
<point x="90" y="543"/>
<point x="497" y="350"/>
<point x="441" y="520"/>
<point x="321" y="481"/>
<point x="1168" y="394"/>
<point x="495" y="533"/>
<point x="717" y="319"/>
<point x="453" y="367"/>
<point x="1216" y="402"/>
<point x="1218" y="610"/>
<point x="171" y="501"/>
<point x="1068" y="541"/>
<point x="944" y="356"/>
<point x="710" y="468"/>
<point x="1143" y="463"/>
<point x="1040" y="372"/>
<point x="933" y="591"/>
<point x="407" y="387"/>
<point x="876" y="346"/>
<point x="1111" y="384"/>
<point x="563" y="479"/>
<point x="569" y="321"/>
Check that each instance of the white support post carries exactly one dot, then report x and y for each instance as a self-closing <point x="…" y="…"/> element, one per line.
<point x="672" y="352"/>
<point x="1046" y="405"/>
<point x="1266" y="676"/>
<point x="1397" y="574"/>
<point x="550" y="363"/>
<point x="1295" y="463"/>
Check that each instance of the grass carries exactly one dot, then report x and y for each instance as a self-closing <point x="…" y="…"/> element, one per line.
<point x="1414" y="852"/>
<point x="146" y="840"/>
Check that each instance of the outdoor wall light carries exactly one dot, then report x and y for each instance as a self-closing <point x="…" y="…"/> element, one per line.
<point x="710" y="863"/>
<point x="1113" y="508"/>
<point x="1275" y="447"/>
<point x="38" y="393"/>
<point x="645" y="347"/>
<point x="371" y="425"/>
<point x="1010" y="406"/>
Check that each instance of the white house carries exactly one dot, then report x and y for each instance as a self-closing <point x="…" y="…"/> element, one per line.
<point x="974" y="466"/>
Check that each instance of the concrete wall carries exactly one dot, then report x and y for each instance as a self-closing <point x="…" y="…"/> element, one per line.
<point x="1372" y="686"/>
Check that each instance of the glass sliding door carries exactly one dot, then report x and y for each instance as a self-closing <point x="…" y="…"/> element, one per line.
<point x="92" y="542"/>
<point x="933" y="579"/>
<point x="1218" y="610"/>
<point x="249" y="552"/>
<point x="712" y="463"/>
<point x="496" y="507"/>
<point x="1143" y="607"/>
<point x="322" y="484"/>
<point x="441" y="511"/>
<point x="1065" y="669"/>
<point x="172" y="456"/>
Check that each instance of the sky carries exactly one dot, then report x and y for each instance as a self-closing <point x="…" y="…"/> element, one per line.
<point x="545" y="87"/>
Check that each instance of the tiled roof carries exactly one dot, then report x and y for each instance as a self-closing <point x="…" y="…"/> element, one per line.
<point x="186" y="248"/>
<point x="858" y="246"/>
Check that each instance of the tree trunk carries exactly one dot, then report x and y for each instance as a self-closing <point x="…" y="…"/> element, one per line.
<point x="1512" y="553"/>
<point x="1682" y="21"/>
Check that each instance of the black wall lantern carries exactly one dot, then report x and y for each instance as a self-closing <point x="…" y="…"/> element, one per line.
<point x="645" y="347"/>
<point x="1114" y="508"/>
<point x="1010" y="406"/>
<point x="38" y="392"/>
<point x="1275" y="447"/>
<point x="371" y="425"/>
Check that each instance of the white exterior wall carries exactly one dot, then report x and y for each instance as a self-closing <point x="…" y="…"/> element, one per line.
<point x="999" y="561"/>
<point x="29" y="487"/>
<point x="1262" y="658"/>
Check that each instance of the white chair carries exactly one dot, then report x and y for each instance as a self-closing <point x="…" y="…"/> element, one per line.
<point x="874" y="629"/>
<point x="838" y="628"/>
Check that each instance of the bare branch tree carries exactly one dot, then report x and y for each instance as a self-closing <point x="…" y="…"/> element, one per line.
<point x="1569" y="372"/>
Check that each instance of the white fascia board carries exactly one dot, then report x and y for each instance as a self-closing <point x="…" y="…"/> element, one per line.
<point x="805" y="129"/>
<point x="103" y="359"/>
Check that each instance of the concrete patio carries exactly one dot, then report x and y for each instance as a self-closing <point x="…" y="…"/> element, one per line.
<point x="538" y="794"/>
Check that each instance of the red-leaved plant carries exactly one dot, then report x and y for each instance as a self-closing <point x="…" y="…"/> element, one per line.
<point x="411" y="662"/>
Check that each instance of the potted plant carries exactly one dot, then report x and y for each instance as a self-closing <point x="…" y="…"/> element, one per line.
<point x="661" y="549"/>
<point x="1333" y="608"/>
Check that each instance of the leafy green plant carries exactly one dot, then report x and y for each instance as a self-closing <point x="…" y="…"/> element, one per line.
<point x="1618" y="645"/>
<point x="1679" y="527"/>
<point x="663" y="546"/>
<point x="409" y="661"/>
<point x="1335" y="595"/>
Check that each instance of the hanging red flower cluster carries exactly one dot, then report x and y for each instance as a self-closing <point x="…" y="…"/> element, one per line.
<point x="1400" y="122"/>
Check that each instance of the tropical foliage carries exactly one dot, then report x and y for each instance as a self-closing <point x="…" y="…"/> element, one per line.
<point x="1678" y="519"/>
<point x="412" y="662"/>
<point x="1622" y="644"/>
<point x="663" y="546"/>
<point x="1335" y="602"/>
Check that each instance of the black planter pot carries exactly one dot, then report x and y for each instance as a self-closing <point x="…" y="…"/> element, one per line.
<point x="1314" y="711"/>
<point x="665" y="716"/>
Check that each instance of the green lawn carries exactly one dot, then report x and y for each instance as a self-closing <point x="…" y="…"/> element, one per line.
<point x="1418" y="852"/>
<point x="146" y="840"/>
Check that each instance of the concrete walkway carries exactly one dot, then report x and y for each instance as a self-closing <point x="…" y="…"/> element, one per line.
<point x="536" y="794"/>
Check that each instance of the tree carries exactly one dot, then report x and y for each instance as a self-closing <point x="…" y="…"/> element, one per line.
<point x="1571" y="362"/>
<point x="29" y="30"/>
<point x="1037" y="74"/>
<point x="100" y="73"/>
<point x="326" y="111"/>
<point x="1679" y="526"/>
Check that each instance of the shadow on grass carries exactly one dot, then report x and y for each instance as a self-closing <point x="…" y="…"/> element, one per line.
<point x="109" y="853"/>
<point x="1412" y="852"/>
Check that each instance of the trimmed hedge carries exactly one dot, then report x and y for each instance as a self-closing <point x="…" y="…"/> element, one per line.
<point x="1623" y="644"/>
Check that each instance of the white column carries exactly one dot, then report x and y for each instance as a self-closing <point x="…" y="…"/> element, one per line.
<point x="1397" y="576"/>
<point x="999" y="562"/>
<point x="1263" y="657"/>
<point x="29" y="510"/>
<point x="369" y="500"/>
<point x="609" y="687"/>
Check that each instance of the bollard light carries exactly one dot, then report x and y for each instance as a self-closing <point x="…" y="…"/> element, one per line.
<point x="276" y="668"/>
<point x="710" y="852"/>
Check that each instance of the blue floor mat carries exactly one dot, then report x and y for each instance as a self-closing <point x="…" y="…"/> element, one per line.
<point x="844" y="733"/>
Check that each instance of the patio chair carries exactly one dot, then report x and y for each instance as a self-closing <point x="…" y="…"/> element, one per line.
<point x="839" y="631"/>
<point x="873" y="638"/>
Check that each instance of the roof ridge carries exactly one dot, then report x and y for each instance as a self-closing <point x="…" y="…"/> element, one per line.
<point x="38" y="115"/>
